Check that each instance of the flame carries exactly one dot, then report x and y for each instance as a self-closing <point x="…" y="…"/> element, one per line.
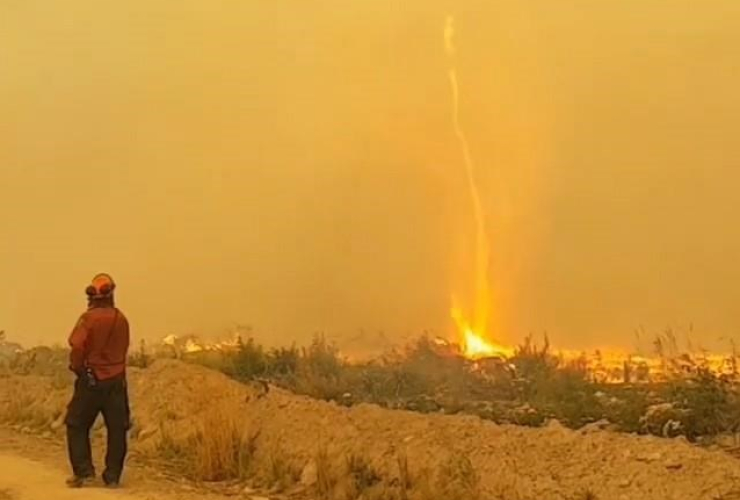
<point x="474" y="345"/>
<point x="192" y="346"/>
<point x="607" y="365"/>
<point x="474" y="338"/>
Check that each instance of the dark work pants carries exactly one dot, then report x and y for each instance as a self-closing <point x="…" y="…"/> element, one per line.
<point x="109" y="397"/>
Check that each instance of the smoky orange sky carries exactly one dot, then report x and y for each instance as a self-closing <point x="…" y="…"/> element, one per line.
<point x="291" y="165"/>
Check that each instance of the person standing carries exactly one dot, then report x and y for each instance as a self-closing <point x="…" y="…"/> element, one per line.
<point x="99" y="349"/>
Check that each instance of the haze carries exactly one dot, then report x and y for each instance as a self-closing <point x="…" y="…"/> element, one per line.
<point x="291" y="165"/>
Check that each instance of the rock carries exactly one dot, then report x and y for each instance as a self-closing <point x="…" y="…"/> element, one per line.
<point x="673" y="464"/>
<point x="672" y="428"/>
<point x="601" y="425"/>
<point x="248" y="491"/>
<point x="310" y="474"/>
<point x="258" y="498"/>
<point x="47" y="435"/>
<point x="663" y="420"/>
<point x="625" y="483"/>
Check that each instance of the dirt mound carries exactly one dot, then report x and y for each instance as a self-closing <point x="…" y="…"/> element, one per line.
<point x="189" y="413"/>
<point x="507" y="462"/>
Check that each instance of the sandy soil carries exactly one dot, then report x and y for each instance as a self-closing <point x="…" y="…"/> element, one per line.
<point x="35" y="469"/>
<point x="23" y="479"/>
<point x="173" y="402"/>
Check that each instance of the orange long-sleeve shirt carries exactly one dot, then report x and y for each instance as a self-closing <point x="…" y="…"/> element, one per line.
<point x="100" y="341"/>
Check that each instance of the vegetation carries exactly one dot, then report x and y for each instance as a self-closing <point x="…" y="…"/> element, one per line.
<point x="531" y="388"/>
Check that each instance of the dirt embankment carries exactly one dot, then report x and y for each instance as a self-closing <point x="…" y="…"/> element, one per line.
<point x="215" y="428"/>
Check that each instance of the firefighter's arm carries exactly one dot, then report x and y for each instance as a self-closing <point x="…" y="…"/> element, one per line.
<point x="77" y="343"/>
<point x="127" y="334"/>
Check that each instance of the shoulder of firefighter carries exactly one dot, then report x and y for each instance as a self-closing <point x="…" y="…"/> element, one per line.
<point x="100" y="342"/>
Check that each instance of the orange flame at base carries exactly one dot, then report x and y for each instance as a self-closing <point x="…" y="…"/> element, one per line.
<point x="475" y="345"/>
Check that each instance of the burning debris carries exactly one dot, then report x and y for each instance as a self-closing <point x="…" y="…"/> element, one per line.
<point x="189" y="344"/>
<point x="600" y="366"/>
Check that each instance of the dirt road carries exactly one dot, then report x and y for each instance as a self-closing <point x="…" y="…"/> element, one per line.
<point x="23" y="479"/>
<point x="35" y="469"/>
<point x="42" y="479"/>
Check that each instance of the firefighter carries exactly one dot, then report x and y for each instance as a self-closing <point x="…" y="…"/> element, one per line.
<point x="99" y="348"/>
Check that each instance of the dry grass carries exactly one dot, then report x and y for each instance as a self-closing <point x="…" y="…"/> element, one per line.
<point x="358" y="479"/>
<point x="363" y="479"/>
<point x="352" y="477"/>
<point x="223" y="448"/>
<point x="326" y="478"/>
<point x="404" y="477"/>
<point x="22" y="406"/>
<point x="216" y="446"/>
<point x="457" y="479"/>
<point x="18" y="409"/>
<point x="281" y="473"/>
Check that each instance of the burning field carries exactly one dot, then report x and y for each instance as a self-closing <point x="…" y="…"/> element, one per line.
<point x="668" y="394"/>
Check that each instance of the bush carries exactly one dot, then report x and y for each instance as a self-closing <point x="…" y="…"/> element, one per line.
<point x="249" y="361"/>
<point x="711" y="403"/>
<point x="428" y="377"/>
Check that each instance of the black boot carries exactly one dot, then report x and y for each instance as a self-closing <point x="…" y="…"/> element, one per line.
<point x="80" y="481"/>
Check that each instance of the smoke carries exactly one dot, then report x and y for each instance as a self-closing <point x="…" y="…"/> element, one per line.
<point x="292" y="166"/>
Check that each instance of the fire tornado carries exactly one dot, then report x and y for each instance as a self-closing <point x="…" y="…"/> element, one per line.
<point x="474" y="331"/>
